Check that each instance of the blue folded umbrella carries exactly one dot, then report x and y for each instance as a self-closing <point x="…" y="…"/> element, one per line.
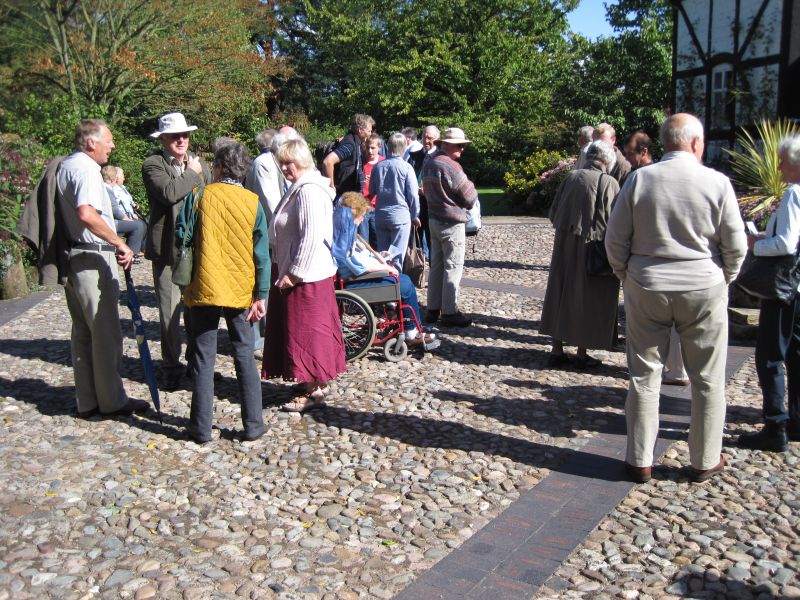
<point x="141" y="341"/>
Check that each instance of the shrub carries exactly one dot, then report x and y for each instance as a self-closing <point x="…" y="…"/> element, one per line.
<point x="533" y="181"/>
<point x="755" y="168"/>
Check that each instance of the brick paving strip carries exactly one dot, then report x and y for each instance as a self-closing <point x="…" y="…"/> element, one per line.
<point x="519" y="551"/>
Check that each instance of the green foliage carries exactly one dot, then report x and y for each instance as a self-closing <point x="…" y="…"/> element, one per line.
<point x="755" y="167"/>
<point x="21" y="164"/>
<point x="622" y="80"/>
<point x="534" y="180"/>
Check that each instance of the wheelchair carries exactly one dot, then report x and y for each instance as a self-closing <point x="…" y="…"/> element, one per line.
<point x="373" y="316"/>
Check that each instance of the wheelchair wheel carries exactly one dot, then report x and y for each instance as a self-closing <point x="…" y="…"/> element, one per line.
<point x="358" y="324"/>
<point x="395" y="349"/>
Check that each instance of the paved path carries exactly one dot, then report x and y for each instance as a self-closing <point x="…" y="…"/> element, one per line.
<point x="472" y="472"/>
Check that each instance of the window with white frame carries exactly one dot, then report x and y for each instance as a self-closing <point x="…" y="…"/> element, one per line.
<point x="722" y="97"/>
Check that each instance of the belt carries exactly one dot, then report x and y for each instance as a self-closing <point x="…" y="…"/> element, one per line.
<point x="95" y="247"/>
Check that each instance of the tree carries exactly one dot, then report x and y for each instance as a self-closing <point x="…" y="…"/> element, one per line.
<point x="624" y="79"/>
<point x="127" y="59"/>
<point x="486" y="66"/>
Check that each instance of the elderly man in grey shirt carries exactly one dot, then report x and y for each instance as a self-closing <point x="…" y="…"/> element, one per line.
<point x="676" y="240"/>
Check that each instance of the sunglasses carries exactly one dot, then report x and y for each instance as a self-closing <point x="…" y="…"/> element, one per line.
<point x="177" y="136"/>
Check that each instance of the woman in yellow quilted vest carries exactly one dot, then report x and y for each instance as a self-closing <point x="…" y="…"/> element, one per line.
<point x="230" y="278"/>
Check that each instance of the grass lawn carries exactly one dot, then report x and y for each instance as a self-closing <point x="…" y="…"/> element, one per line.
<point x="494" y="202"/>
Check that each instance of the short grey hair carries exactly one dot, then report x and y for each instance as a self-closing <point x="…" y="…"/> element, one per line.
<point x="409" y="132"/>
<point x="223" y="140"/>
<point x="295" y="151"/>
<point x="279" y="139"/>
<point x="233" y="160"/>
<point x="397" y="144"/>
<point x="264" y="139"/>
<point x="88" y="129"/>
<point x="434" y="129"/>
<point x="601" y="153"/>
<point x="680" y="130"/>
<point x="585" y="134"/>
<point x="361" y="121"/>
<point x="790" y="146"/>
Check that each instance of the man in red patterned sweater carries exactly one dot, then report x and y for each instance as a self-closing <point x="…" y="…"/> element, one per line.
<point x="450" y="194"/>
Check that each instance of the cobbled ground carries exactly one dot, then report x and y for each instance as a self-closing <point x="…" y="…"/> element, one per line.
<point x="358" y="499"/>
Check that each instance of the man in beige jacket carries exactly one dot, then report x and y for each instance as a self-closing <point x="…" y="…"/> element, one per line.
<point x="676" y="240"/>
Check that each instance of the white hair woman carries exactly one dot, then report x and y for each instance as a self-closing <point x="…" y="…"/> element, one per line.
<point x="778" y="343"/>
<point x="303" y="327"/>
<point x="579" y="309"/>
<point x="394" y="185"/>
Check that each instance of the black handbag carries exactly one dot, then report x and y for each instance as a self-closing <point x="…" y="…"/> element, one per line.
<point x="770" y="277"/>
<point x="596" y="259"/>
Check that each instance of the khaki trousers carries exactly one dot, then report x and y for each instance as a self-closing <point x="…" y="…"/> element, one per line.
<point x="92" y="292"/>
<point x="447" y="247"/>
<point x="701" y="321"/>
<point x="169" y="298"/>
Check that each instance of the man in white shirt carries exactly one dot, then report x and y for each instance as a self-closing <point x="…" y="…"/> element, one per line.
<point x="92" y="288"/>
<point x="676" y="240"/>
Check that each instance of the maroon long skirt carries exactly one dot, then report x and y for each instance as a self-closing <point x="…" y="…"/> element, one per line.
<point x="303" y="339"/>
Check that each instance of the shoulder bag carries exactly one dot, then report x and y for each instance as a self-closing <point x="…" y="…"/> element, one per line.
<point x="770" y="277"/>
<point x="414" y="261"/>
<point x="596" y="258"/>
<point x="184" y="263"/>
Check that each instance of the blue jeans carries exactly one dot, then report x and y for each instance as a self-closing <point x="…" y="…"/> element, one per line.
<point x="408" y="293"/>
<point x="393" y="235"/>
<point x="205" y="322"/>
<point x="778" y="352"/>
<point x="367" y="229"/>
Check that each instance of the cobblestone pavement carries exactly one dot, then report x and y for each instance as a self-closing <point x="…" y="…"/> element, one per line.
<point x="362" y="498"/>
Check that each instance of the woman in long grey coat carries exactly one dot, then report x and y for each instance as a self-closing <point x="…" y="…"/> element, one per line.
<point x="581" y="310"/>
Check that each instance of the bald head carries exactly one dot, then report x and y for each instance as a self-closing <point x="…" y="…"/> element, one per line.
<point x="682" y="132"/>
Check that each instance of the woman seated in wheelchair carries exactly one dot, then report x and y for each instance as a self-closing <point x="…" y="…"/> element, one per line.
<point x="354" y="258"/>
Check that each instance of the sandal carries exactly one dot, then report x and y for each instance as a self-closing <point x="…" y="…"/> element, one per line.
<point x="305" y="403"/>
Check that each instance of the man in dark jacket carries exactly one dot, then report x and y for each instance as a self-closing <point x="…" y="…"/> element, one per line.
<point x="169" y="176"/>
<point x="343" y="165"/>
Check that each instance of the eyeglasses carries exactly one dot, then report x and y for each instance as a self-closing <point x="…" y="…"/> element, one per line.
<point x="462" y="146"/>
<point x="177" y="136"/>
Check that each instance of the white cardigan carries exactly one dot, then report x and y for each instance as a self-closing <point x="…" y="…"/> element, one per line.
<point x="301" y="230"/>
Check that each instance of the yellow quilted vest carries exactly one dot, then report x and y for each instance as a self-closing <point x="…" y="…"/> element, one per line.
<point x="224" y="269"/>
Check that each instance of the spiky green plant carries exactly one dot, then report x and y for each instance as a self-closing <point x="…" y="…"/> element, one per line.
<point x="755" y="167"/>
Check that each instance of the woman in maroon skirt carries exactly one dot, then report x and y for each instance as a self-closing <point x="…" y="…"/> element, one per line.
<point x="304" y="334"/>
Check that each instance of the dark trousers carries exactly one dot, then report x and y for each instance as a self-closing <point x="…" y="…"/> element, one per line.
<point x="134" y="231"/>
<point x="205" y="322"/>
<point x="778" y="351"/>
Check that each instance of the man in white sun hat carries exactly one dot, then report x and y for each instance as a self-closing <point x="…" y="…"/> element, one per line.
<point x="169" y="176"/>
<point x="450" y="194"/>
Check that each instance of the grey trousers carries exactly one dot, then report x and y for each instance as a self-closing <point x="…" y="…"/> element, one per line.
<point x="170" y="307"/>
<point x="92" y="293"/>
<point x="205" y="322"/>
<point x="701" y="320"/>
<point x="447" y="265"/>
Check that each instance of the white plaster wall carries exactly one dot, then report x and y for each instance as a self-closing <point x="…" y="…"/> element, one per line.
<point x="697" y="12"/>
<point x="759" y="98"/>
<point x="691" y="96"/>
<point x="767" y="39"/>
<point x="722" y="25"/>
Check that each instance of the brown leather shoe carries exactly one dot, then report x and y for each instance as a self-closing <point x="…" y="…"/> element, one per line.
<point x="639" y="474"/>
<point x="698" y="476"/>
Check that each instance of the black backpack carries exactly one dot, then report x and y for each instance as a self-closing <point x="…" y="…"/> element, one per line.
<point x="322" y="149"/>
